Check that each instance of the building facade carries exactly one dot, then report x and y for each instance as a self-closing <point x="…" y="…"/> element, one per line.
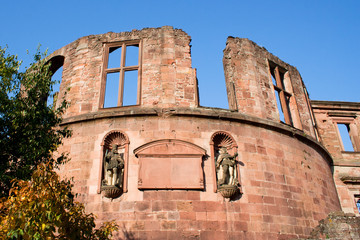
<point x="145" y="153"/>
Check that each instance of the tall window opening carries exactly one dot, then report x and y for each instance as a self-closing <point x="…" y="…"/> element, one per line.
<point x="121" y="75"/>
<point x="344" y="131"/>
<point x="54" y="92"/>
<point x="282" y="96"/>
<point x="56" y="69"/>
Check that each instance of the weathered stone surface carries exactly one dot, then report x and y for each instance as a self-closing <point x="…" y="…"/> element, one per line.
<point x="337" y="225"/>
<point x="346" y="164"/>
<point x="284" y="172"/>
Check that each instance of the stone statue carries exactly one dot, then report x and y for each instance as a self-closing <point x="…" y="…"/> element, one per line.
<point x="114" y="167"/>
<point x="226" y="168"/>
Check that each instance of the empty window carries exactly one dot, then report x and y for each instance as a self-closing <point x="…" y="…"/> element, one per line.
<point x="282" y="96"/>
<point x="56" y="69"/>
<point x="344" y="131"/>
<point x="121" y="75"/>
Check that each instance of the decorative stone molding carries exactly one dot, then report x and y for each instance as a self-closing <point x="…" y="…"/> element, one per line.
<point x="350" y="180"/>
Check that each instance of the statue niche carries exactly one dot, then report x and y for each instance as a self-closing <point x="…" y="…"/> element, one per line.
<point x="113" y="175"/>
<point x="224" y="158"/>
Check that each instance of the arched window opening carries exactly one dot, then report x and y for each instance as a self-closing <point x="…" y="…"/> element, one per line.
<point x="56" y="69"/>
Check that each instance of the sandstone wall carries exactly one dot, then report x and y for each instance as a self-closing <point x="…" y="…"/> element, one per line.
<point x="346" y="163"/>
<point x="250" y="88"/>
<point x="286" y="179"/>
<point x="338" y="225"/>
<point x="285" y="174"/>
<point x="167" y="79"/>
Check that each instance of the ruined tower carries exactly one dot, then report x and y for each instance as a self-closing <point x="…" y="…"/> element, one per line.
<point x="145" y="154"/>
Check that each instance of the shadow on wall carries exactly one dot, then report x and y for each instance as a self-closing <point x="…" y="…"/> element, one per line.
<point x="128" y="235"/>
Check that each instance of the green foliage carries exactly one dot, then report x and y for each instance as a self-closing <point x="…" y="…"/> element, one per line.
<point x="34" y="202"/>
<point x="44" y="208"/>
<point x="28" y="132"/>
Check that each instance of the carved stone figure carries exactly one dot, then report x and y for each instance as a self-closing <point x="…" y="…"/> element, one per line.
<point x="226" y="168"/>
<point x="114" y="166"/>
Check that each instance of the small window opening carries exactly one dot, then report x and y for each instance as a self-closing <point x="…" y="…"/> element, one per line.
<point x="273" y="77"/>
<point x="132" y="55"/>
<point x="357" y="202"/>
<point x="111" y="90"/>
<point x="278" y="103"/>
<point x="114" y="57"/>
<point x="122" y="75"/>
<point x="54" y="92"/>
<point x="344" y="130"/>
<point x="56" y="69"/>
<point x="130" y="88"/>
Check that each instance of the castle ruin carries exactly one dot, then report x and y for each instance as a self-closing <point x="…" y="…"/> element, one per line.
<point x="145" y="153"/>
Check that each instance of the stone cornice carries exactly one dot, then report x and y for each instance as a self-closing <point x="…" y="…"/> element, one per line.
<point x="335" y="105"/>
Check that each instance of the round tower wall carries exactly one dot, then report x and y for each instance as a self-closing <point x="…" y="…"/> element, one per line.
<point x="286" y="180"/>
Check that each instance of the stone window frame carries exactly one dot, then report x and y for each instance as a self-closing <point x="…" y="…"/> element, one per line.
<point x="225" y="140"/>
<point x="352" y="128"/>
<point x="284" y="88"/>
<point x="122" y="69"/>
<point x="122" y="140"/>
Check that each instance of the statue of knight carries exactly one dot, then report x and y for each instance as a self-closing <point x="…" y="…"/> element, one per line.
<point x="114" y="167"/>
<point x="226" y="168"/>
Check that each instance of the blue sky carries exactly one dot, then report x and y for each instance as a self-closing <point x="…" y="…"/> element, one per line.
<point x="319" y="37"/>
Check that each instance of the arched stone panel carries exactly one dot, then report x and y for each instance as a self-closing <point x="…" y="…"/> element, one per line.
<point x="170" y="164"/>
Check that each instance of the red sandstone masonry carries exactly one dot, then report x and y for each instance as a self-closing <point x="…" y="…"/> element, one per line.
<point x="282" y="193"/>
<point x="167" y="77"/>
<point x="347" y="164"/>
<point x="249" y="85"/>
<point x="285" y="174"/>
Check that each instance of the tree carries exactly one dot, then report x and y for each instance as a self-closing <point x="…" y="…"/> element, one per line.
<point x="28" y="126"/>
<point x="44" y="208"/>
<point x="34" y="202"/>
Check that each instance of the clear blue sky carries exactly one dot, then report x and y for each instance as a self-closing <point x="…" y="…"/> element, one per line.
<point x="319" y="37"/>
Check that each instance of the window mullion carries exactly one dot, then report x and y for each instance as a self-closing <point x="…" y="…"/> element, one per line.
<point x="278" y="78"/>
<point x="104" y="73"/>
<point x="354" y="137"/>
<point x="139" y="75"/>
<point x="282" y="97"/>
<point x="112" y="70"/>
<point x="122" y="74"/>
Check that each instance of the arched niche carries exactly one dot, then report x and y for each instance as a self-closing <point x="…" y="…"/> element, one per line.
<point x="223" y="140"/>
<point x="120" y="139"/>
<point x="170" y="164"/>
